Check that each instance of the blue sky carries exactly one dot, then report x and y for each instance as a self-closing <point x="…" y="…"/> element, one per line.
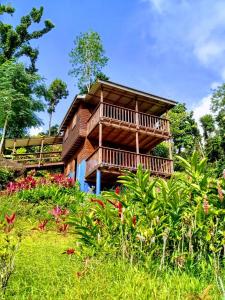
<point x="172" y="48"/>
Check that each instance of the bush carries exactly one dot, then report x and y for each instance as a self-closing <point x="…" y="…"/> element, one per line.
<point x="6" y="175"/>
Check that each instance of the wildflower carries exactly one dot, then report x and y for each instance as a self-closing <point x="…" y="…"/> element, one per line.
<point x="119" y="206"/>
<point x="117" y="190"/>
<point x="63" y="228"/>
<point x="224" y="173"/>
<point x="69" y="251"/>
<point x="134" y="220"/>
<point x="56" y="212"/>
<point x="220" y="192"/>
<point x="100" y="202"/>
<point x="140" y="238"/>
<point x="10" y="219"/>
<point x="206" y="206"/>
<point x="42" y="225"/>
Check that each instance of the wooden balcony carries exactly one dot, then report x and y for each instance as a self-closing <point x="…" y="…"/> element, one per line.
<point x="114" y="160"/>
<point x="74" y="139"/>
<point x="124" y="118"/>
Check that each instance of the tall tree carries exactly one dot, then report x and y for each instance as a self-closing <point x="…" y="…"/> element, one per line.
<point x="208" y="125"/>
<point x="87" y="59"/>
<point x="17" y="100"/>
<point x="15" y="42"/>
<point x="53" y="94"/>
<point x="184" y="130"/>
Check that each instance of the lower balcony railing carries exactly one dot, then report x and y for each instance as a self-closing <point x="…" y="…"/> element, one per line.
<point x="109" y="157"/>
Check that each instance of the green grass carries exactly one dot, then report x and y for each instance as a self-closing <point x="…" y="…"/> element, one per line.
<point x="43" y="272"/>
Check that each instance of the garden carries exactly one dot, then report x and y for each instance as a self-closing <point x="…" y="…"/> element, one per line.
<point x="149" y="238"/>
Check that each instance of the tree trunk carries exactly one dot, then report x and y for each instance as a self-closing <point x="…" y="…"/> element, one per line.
<point x="3" y="134"/>
<point x="50" y="123"/>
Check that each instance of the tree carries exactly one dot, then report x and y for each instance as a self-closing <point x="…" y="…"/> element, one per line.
<point x="208" y="125"/>
<point x="87" y="59"/>
<point x="185" y="133"/>
<point x="218" y="107"/>
<point x="53" y="94"/>
<point x="17" y="99"/>
<point x="15" y="42"/>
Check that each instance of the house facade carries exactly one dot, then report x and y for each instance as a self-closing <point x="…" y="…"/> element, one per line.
<point x="111" y="129"/>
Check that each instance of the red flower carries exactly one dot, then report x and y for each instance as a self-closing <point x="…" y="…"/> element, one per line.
<point x="100" y="202"/>
<point x="69" y="251"/>
<point x="42" y="225"/>
<point x="117" y="205"/>
<point x="134" y="220"/>
<point x="63" y="228"/>
<point x="10" y="219"/>
<point x="117" y="190"/>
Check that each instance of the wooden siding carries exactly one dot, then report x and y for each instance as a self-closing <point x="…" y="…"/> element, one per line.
<point x="76" y="133"/>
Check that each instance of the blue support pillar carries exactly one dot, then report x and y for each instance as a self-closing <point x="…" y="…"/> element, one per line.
<point x="98" y="182"/>
<point x="80" y="174"/>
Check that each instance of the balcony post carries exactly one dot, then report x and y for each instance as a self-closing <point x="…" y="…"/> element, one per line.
<point x="100" y="128"/>
<point x="98" y="182"/>
<point x="41" y="150"/>
<point x="137" y="129"/>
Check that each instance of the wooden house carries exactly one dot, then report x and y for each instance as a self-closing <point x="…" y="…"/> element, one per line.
<point x="113" y="128"/>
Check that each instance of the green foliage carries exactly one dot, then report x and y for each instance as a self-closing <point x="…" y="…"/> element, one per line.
<point x="52" y="95"/>
<point x="208" y="125"/>
<point x="15" y="42"/>
<point x="185" y="133"/>
<point x="161" y="150"/>
<point x="17" y="99"/>
<point x="8" y="248"/>
<point x="6" y="175"/>
<point x="87" y="59"/>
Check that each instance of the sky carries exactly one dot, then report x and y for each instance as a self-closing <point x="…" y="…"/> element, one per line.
<point x="171" y="48"/>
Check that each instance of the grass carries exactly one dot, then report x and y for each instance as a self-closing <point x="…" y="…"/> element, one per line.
<point x="43" y="272"/>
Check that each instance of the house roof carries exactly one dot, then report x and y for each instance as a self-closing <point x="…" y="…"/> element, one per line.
<point x="33" y="141"/>
<point x="120" y="95"/>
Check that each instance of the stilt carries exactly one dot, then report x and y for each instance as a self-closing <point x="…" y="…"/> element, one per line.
<point x="98" y="182"/>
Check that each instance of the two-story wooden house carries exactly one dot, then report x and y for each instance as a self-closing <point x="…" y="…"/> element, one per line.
<point x="113" y="128"/>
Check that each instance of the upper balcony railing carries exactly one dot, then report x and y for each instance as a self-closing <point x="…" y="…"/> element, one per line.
<point x="127" y="117"/>
<point x="114" y="158"/>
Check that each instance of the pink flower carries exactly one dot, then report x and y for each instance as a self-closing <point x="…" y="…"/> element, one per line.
<point x="56" y="212"/>
<point x="224" y="173"/>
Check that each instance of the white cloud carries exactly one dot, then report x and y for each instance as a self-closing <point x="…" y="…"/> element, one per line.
<point x="202" y="108"/>
<point x="158" y="5"/>
<point x="35" y="130"/>
<point x="189" y="28"/>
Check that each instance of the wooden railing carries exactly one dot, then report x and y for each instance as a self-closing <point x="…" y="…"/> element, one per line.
<point x="109" y="157"/>
<point x="37" y="157"/>
<point x="127" y="117"/>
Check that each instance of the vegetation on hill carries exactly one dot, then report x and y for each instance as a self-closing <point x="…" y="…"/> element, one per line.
<point x="151" y="227"/>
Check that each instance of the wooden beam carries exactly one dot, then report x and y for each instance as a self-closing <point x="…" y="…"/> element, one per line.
<point x="41" y="150"/>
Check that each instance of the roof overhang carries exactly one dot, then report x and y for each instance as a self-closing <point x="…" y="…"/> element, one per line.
<point x="122" y="96"/>
<point x="33" y="141"/>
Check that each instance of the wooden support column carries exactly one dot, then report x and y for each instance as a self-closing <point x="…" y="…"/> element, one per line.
<point x="169" y="141"/>
<point x="41" y="150"/>
<point x="98" y="172"/>
<point x="137" y="132"/>
<point x="14" y="148"/>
